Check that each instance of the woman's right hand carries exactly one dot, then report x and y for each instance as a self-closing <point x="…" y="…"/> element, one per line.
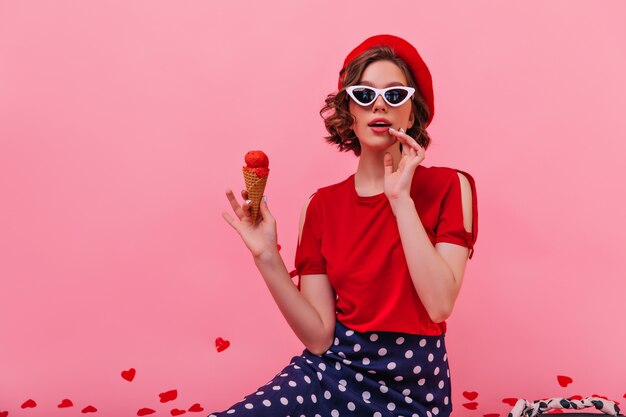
<point x="260" y="237"/>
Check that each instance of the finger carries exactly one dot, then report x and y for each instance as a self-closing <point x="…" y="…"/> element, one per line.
<point x="247" y="208"/>
<point x="402" y="164"/>
<point x="411" y="142"/>
<point x="388" y="163"/>
<point x="230" y="220"/>
<point x="264" y="210"/>
<point x="421" y="153"/>
<point x="233" y="203"/>
<point x="244" y="194"/>
<point x="405" y="139"/>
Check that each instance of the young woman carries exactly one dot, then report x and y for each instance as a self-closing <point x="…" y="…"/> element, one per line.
<point x="381" y="255"/>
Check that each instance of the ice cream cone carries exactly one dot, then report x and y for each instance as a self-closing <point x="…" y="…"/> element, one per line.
<point x="255" y="186"/>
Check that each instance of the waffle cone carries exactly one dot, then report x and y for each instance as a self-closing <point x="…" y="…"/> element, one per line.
<point x="255" y="186"/>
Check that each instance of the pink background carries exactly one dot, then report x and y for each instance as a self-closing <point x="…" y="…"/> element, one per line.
<point x="121" y="124"/>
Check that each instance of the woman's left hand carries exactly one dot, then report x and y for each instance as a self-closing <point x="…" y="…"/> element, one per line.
<point x="398" y="183"/>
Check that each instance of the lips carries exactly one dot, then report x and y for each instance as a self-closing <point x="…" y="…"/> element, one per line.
<point x="380" y="122"/>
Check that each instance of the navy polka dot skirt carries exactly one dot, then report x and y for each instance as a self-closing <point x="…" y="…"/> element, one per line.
<point x="362" y="374"/>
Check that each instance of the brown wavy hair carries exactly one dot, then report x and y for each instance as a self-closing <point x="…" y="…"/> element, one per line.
<point x="336" y="114"/>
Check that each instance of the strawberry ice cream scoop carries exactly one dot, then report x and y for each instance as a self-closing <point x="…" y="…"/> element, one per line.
<point x="257" y="162"/>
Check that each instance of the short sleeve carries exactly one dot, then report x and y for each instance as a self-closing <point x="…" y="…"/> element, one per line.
<point x="450" y="226"/>
<point x="309" y="258"/>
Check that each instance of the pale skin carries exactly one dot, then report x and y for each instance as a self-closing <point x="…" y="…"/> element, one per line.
<point x="436" y="271"/>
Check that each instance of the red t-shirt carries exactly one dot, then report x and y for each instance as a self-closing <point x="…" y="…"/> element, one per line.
<point x="355" y="241"/>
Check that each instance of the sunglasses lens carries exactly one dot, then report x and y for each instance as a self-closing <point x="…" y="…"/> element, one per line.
<point x="364" y="95"/>
<point x="396" y="95"/>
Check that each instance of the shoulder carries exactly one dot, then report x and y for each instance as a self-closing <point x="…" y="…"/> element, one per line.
<point x="448" y="176"/>
<point x="338" y="187"/>
<point x="323" y="195"/>
<point x="329" y="193"/>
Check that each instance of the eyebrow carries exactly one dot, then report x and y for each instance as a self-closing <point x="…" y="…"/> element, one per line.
<point x="388" y="85"/>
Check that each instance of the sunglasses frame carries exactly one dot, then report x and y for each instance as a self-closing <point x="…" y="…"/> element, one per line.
<point x="381" y="92"/>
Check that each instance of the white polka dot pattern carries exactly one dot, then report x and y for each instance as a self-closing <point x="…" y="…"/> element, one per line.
<point x="363" y="374"/>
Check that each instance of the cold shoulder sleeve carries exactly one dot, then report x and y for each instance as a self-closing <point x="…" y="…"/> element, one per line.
<point x="450" y="226"/>
<point x="309" y="258"/>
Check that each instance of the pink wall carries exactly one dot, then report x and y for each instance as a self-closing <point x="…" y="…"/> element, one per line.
<point x="121" y="123"/>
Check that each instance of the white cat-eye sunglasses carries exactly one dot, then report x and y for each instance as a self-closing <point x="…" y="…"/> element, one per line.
<point x="365" y="95"/>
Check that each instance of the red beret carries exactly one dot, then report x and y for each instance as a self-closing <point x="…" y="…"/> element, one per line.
<point x="409" y="54"/>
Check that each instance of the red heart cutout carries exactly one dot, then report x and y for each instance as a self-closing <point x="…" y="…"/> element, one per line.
<point x="278" y="247"/>
<point x="470" y="395"/>
<point x="600" y="396"/>
<point x="168" y="396"/>
<point x="196" y="408"/>
<point x="89" y="409"/>
<point x="29" y="404"/>
<point x="510" y="401"/>
<point x="564" y="380"/>
<point x="4" y="414"/>
<point x="471" y="406"/>
<point x="576" y="397"/>
<point x="129" y="375"/>
<point x="65" y="403"/>
<point x="177" y="412"/>
<point x="624" y="395"/>
<point x="491" y="415"/>
<point x="221" y="344"/>
<point x="145" y="411"/>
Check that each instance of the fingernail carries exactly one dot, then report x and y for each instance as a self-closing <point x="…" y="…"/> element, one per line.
<point x="391" y="128"/>
<point x="248" y="201"/>
<point x="265" y="198"/>
<point x="401" y="130"/>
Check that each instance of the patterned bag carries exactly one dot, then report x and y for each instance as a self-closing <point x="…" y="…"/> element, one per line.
<point x="537" y="408"/>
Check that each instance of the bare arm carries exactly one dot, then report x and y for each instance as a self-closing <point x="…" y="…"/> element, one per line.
<point x="436" y="271"/>
<point x="309" y="312"/>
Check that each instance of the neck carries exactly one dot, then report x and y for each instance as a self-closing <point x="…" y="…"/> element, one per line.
<point x="370" y="173"/>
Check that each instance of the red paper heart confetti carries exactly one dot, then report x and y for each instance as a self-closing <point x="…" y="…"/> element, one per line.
<point x="29" y="404"/>
<point x="470" y="395"/>
<point x="471" y="406"/>
<point x="4" y="414"/>
<point x="168" y="396"/>
<point x="491" y="415"/>
<point x="510" y="401"/>
<point x="624" y="395"/>
<point x="278" y="247"/>
<point x="599" y="396"/>
<point x="196" y="408"/>
<point x="177" y="412"/>
<point x="89" y="409"/>
<point x="576" y="397"/>
<point x="221" y="344"/>
<point x="129" y="375"/>
<point x="564" y="380"/>
<point x="145" y="411"/>
<point x="65" y="403"/>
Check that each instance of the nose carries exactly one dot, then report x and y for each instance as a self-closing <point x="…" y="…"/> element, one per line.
<point x="379" y="104"/>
